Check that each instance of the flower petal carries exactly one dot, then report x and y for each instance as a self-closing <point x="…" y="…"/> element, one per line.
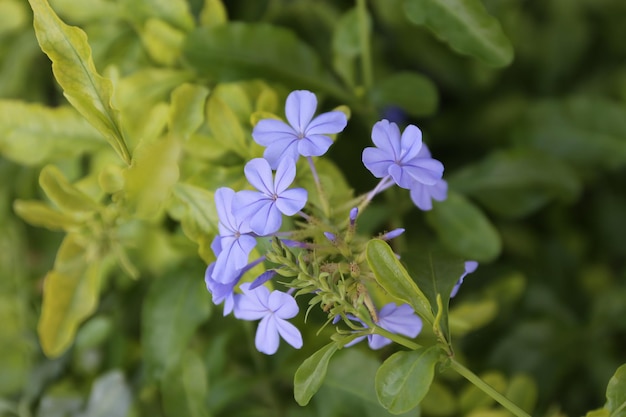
<point x="292" y="201"/>
<point x="400" y="320"/>
<point x="247" y="202"/>
<point x="267" y="219"/>
<point x="283" y="305"/>
<point x="420" y="196"/>
<point x="410" y="142"/>
<point x="285" y="174"/>
<point x="252" y="304"/>
<point x="289" y="332"/>
<point x="386" y="136"/>
<point x="223" y="204"/>
<point x="266" y="339"/>
<point x="327" y="123"/>
<point x="377" y="161"/>
<point x="439" y="191"/>
<point x="425" y="170"/>
<point x="400" y="176"/>
<point x="314" y="145"/>
<point x="376" y="341"/>
<point x="280" y="150"/>
<point x="300" y="108"/>
<point x="259" y="174"/>
<point x="268" y="131"/>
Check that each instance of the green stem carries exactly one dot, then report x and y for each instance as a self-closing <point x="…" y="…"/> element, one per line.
<point x="487" y="389"/>
<point x="366" y="56"/>
<point x="396" y="338"/>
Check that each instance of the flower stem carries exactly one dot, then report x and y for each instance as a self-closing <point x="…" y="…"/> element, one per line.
<point x="366" y="57"/>
<point x="487" y="389"/>
<point x="320" y="190"/>
<point x="385" y="183"/>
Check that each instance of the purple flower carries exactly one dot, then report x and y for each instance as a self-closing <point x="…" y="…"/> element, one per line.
<point x="263" y="208"/>
<point x="398" y="156"/>
<point x="470" y="266"/>
<point x="395" y="319"/>
<point x="236" y="239"/>
<point x="273" y="309"/>
<point x="304" y="135"/>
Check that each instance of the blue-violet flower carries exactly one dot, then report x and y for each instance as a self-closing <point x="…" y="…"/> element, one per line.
<point x="273" y="309"/>
<point x="263" y="208"/>
<point x="397" y="156"/>
<point x="236" y="239"/>
<point x="470" y="266"/>
<point x="304" y="135"/>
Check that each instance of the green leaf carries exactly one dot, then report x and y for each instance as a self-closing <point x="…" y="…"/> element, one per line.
<point x="516" y="182"/>
<point x="523" y="392"/>
<point x="40" y="214"/>
<point x="70" y="295"/>
<point x="413" y="92"/>
<point x="346" y="44"/>
<point x="110" y="396"/>
<point x="32" y="134"/>
<point x="175" y="306"/>
<point x="392" y="276"/>
<point x="185" y="388"/>
<point x="187" y="110"/>
<point x="162" y="41"/>
<point x="13" y="16"/>
<point x="175" y="12"/>
<point x="225" y="126"/>
<point x="464" y="229"/>
<point x="436" y="272"/>
<point x="75" y="71"/>
<point x="473" y="398"/>
<point x="65" y="195"/>
<point x="466" y="26"/>
<point x="153" y="173"/>
<point x="439" y="401"/>
<point x="197" y="215"/>
<point x="239" y="51"/>
<point x="471" y="315"/>
<point x="349" y="390"/>
<point x="404" y="378"/>
<point x="213" y="13"/>
<point x="616" y="393"/>
<point x="311" y="373"/>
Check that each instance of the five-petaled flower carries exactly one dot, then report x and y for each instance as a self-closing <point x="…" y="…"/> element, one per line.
<point x="273" y="309"/>
<point x="304" y="135"/>
<point x="395" y="319"/>
<point x="397" y="156"/>
<point x="263" y="208"/>
<point x="235" y="239"/>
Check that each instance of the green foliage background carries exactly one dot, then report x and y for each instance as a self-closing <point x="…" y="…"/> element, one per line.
<point x="108" y="168"/>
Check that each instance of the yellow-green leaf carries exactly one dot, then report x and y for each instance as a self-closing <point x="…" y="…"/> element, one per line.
<point x="162" y="41"/>
<point x="70" y="295"/>
<point x="149" y="180"/>
<point x="187" y="110"/>
<point x="74" y="70"/>
<point x="214" y="13"/>
<point x="65" y="195"/>
<point x="225" y="126"/>
<point x="42" y="215"/>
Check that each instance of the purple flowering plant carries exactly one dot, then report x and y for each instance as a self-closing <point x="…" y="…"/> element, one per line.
<point x="357" y="281"/>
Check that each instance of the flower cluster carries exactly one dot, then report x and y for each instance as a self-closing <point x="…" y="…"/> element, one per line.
<point x="323" y="258"/>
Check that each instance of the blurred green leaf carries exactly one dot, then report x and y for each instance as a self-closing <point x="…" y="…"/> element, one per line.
<point x="238" y="51"/>
<point x="392" y="276"/>
<point x="185" y="389"/>
<point x="162" y="41"/>
<point x="464" y="229"/>
<point x="153" y="173"/>
<point x="439" y="401"/>
<point x="213" y="13"/>
<point x="62" y="193"/>
<point x="13" y="16"/>
<point x="466" y="26"/>
<point x="175" y="12"/>
<point x="197" y="215"/>
<point x="471" y="315"/>
<point x="412" y="92"/>
<point x="311" y="373"/>
<point x="346" y="44"/>
<point x="187" y="110"/>
<point x="75" y="71"/>
<point x="472" y="398"/>
<point x="523" y="392"/>
<point x="175" y="306"/>
<point x="70" y="294"/>
<point x="349" y="390"/>
<point x="404" y="378"/>
<point x="436" y="272"/>
<point x="588" y="132"/>
<point x="32" y="134"/>
<point x="517" y="182"/>
<point x="110" y="396"/>
<point x="225" y="126"/>
<point x="616" y="393"/>
<point x="42" y="215"/>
